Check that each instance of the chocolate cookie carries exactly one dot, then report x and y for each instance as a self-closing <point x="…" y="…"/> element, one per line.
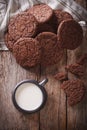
<point x="42" y="12"/>
<point x="22" y="25"/>
<point x="75" y="91"/>
<point x="76" y="69"/>
<point x="9" y="41"/>
<point x="27" y="52"/>
<point x="70" y="34"/>
<point x="61" y="76"/>
<point x="51" y="53"/>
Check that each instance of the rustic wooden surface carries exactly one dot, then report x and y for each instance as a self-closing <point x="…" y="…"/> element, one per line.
<point x="56" y="115"/>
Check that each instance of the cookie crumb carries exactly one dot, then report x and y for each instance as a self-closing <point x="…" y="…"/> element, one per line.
<point x="75" y="69"/>
<point x="61" y="76"/>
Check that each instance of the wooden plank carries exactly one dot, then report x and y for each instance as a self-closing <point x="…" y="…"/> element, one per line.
<point x="10" y="74"/>
<point x="53" y="116"/>
<point x="77" y="115"/>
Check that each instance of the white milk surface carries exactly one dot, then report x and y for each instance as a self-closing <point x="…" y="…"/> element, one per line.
<point x="29" y="96"/>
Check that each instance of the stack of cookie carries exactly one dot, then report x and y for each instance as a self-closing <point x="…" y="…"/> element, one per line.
<point x="39" y="35"/>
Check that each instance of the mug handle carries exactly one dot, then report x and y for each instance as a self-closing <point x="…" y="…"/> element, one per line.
<point x="43" y="82"/>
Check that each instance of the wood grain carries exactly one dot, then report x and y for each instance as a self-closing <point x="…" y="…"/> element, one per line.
<point x="10" y="118"/>
<point x="77" y="115"/>
<point x="53" y="116"/>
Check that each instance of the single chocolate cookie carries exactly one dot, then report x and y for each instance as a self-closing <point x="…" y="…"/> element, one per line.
<point x="61" y="76"/>
<point x="42" y="12"/>
<point x="75" y="91"/>
<point x="23" y="25"/>
<point x="70" y="34"/>
<point x="76" y="69"/>
<point x="58" y="17"/>
<point x="51" y="53"/>
<point x="27" y="52"/>
<point x="9" y="41"/>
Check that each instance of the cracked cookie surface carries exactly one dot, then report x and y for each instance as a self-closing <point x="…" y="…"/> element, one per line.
<point x="75" y="91"/>
<point x="27" y="52"/>
<point x="42" y="12"/>
<point x="22" y="25"/>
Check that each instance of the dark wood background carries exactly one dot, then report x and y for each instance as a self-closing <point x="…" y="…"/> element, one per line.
<point x="56" y="115"/>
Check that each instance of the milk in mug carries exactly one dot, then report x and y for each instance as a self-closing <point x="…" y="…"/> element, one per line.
<point x="29" y="96"/>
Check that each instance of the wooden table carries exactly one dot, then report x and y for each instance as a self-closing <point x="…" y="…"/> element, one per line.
<point x="57" y="114"/>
